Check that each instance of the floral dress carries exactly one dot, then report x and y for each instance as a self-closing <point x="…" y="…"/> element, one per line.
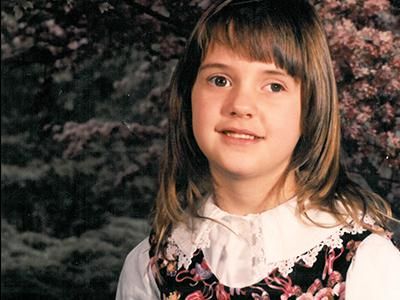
<point x="325" y="279"/>
<point x="270" y="255"/>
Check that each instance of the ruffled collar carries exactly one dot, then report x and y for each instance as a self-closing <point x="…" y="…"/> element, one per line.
<point x="276" y="238"/>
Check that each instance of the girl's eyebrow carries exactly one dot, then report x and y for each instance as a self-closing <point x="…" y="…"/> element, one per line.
<point x="213" y="65"/>
<point x="223" y="66"/>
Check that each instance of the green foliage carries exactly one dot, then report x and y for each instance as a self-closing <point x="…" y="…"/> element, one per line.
<point x="64" y="64"/>
<point x="35" y="266"/>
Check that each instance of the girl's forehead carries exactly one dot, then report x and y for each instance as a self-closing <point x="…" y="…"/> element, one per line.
<point x="220" y="51"/>
<point x="219" y="55"/>
<point x="242" y="51"/>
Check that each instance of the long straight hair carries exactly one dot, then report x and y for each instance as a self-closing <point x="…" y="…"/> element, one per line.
<point x="290" y="35"/>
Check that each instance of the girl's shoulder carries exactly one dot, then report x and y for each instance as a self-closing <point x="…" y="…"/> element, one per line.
<point x="376" y="263"/>
<point x="139" y="253"/>
<point x="378" y="243"/>
<point x="136" y="279"/>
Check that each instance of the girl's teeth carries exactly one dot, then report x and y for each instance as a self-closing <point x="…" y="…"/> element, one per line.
<point x="240" y="136"/>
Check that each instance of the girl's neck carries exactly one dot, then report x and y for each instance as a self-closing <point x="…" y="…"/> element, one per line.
<point x="250" y="196"/>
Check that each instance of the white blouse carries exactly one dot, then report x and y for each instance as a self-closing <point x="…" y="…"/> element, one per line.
<point x="242" y="250"/>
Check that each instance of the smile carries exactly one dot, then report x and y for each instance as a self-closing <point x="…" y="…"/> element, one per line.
<point x="240" y="135"/>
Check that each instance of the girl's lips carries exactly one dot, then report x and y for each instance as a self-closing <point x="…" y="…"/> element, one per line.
<point x="240" y="134"/>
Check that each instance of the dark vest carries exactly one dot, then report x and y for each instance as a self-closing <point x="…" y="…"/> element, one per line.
<point x="326" y="277"/>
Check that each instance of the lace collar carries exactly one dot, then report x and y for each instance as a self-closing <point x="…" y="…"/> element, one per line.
<point x="276" y="238"/>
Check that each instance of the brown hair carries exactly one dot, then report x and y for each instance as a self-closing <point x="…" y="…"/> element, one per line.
<point x="289" y="34"/>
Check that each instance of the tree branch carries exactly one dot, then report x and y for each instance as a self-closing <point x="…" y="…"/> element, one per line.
<point x="176" y="27"/>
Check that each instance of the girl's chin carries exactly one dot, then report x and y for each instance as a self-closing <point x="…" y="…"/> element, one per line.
<point x="246" y="169"/>
<point x="235" y="173"/>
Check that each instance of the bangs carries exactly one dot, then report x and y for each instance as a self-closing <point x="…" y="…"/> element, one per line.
<point x="256" y="32"/>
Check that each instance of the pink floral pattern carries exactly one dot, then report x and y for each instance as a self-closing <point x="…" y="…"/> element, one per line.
<point x="324" y="280"/>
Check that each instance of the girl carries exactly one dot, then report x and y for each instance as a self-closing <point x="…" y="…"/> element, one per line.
<point x="253" y="202"/>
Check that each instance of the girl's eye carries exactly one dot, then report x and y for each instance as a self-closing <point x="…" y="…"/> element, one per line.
<point x="220" y="81"/>
<point x="275" y="87"/>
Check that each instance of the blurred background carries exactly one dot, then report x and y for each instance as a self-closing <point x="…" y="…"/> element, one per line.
<point x="83" y="119"/>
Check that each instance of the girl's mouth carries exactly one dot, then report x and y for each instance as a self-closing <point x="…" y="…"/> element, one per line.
<point x="240" y="135"/>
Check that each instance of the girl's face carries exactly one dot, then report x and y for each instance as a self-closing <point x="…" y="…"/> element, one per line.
<point x="246" y="115"/>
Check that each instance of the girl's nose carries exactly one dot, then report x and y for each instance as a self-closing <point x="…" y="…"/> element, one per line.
<point x="241" y="104"/>
<point x="241" y="112"/>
